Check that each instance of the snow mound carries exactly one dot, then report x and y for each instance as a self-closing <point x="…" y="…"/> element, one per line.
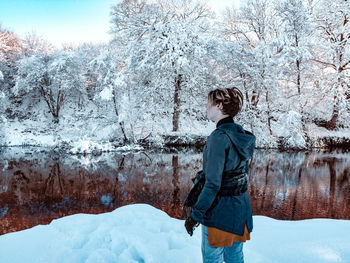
<point x="133" y="233"/>
<point x="142" y="233"/>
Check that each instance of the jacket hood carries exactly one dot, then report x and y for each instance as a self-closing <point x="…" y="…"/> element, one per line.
<point x="243" y="140"/>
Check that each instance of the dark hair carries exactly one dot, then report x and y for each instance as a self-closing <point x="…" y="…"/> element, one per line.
<point x="231" y="99"/>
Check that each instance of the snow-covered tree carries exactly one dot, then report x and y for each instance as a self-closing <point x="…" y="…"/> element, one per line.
<point x="294" y="44"/>
<point x="86" y="52"/>
<point x="33" y="43"/>
<point x="11" y="49"/>
<point x="167" y="48"/>
<point x="111" y="85"/>
<point x="332" y="54"/>
<point x="54" y="75"/>
<point x="10" y="46"/>
<point x="294" y="41"/>
<point x="2" y="93"/>
<point x="251" y="33"/>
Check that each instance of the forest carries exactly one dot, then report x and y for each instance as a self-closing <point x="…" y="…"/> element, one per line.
<point x="290" y="58"/>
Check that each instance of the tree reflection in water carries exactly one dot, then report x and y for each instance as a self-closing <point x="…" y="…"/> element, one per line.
<point x="37" y="188"/>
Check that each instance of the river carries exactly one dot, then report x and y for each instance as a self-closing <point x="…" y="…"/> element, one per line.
<point x="37" y="186"/>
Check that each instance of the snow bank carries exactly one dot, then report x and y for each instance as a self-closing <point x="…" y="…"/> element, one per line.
<point x="142" y="233"/>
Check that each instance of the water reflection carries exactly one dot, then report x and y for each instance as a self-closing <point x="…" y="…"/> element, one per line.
<point x="36" y="187"/>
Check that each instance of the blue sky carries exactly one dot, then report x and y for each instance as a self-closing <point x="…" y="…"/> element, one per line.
<point x="60" y="21"/>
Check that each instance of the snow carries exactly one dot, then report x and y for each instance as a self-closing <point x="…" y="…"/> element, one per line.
<point x="142" y="233"/>
<point x="94" y="135"/>
<point x="290" y="123"/>
<point x="22" y="133"/>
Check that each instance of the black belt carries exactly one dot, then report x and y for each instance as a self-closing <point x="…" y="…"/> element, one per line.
<point x="233" y="182"/>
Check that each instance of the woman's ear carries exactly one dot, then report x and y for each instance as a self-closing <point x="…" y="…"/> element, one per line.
<point x="219" y="105"/>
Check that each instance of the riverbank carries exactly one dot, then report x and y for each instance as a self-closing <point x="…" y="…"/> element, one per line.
<point x="81" y="137"/>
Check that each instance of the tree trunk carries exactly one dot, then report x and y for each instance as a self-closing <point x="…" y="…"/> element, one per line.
<point x="330" y="125"/>
<point x="255" y="98"/>
<point x="298" y="76"/>
<point x="121" y="123"/>
<point x="268" y="112"/>
<point x="176" y="113"/>
<point x="54" y="105"/>
<point x="303" y="122"/>
<point x="297" y="65"/>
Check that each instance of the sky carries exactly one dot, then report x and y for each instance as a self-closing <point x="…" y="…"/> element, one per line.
<point x="67" y="21"/>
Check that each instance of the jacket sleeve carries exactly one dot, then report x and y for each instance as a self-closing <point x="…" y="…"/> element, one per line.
<point x="213" y="168"/>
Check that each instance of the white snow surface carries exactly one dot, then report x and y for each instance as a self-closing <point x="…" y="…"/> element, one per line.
<point x="142" y="233"/>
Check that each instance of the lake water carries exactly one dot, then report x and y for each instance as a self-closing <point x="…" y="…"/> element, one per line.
<point x="37" y="187"/>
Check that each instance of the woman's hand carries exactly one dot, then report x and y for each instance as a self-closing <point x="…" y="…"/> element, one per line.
<point x="190" y="224"/>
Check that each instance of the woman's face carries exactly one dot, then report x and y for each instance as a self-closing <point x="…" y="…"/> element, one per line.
<point x="212" y="111"/>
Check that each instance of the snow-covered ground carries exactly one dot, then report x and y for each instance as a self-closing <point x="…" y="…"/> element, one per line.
<point x="92" y="137"/>
<point x="142" y="233"/>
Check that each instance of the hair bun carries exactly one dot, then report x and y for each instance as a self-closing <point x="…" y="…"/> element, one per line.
<point x="236" y="96"/>
<point x="231" y="99"/>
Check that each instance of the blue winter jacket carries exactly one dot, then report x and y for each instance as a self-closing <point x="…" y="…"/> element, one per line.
<point x="228" y="213"/>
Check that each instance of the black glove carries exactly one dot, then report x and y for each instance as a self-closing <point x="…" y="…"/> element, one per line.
<point x="190" y="224"/>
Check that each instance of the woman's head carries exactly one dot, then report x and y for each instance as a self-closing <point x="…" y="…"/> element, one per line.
<point x="224" y="102"/>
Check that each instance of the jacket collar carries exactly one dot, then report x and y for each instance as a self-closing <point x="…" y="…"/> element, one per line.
<point x="227" y="119"/>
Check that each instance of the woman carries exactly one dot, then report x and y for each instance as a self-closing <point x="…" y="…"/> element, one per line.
<point x="223" y="206"/>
